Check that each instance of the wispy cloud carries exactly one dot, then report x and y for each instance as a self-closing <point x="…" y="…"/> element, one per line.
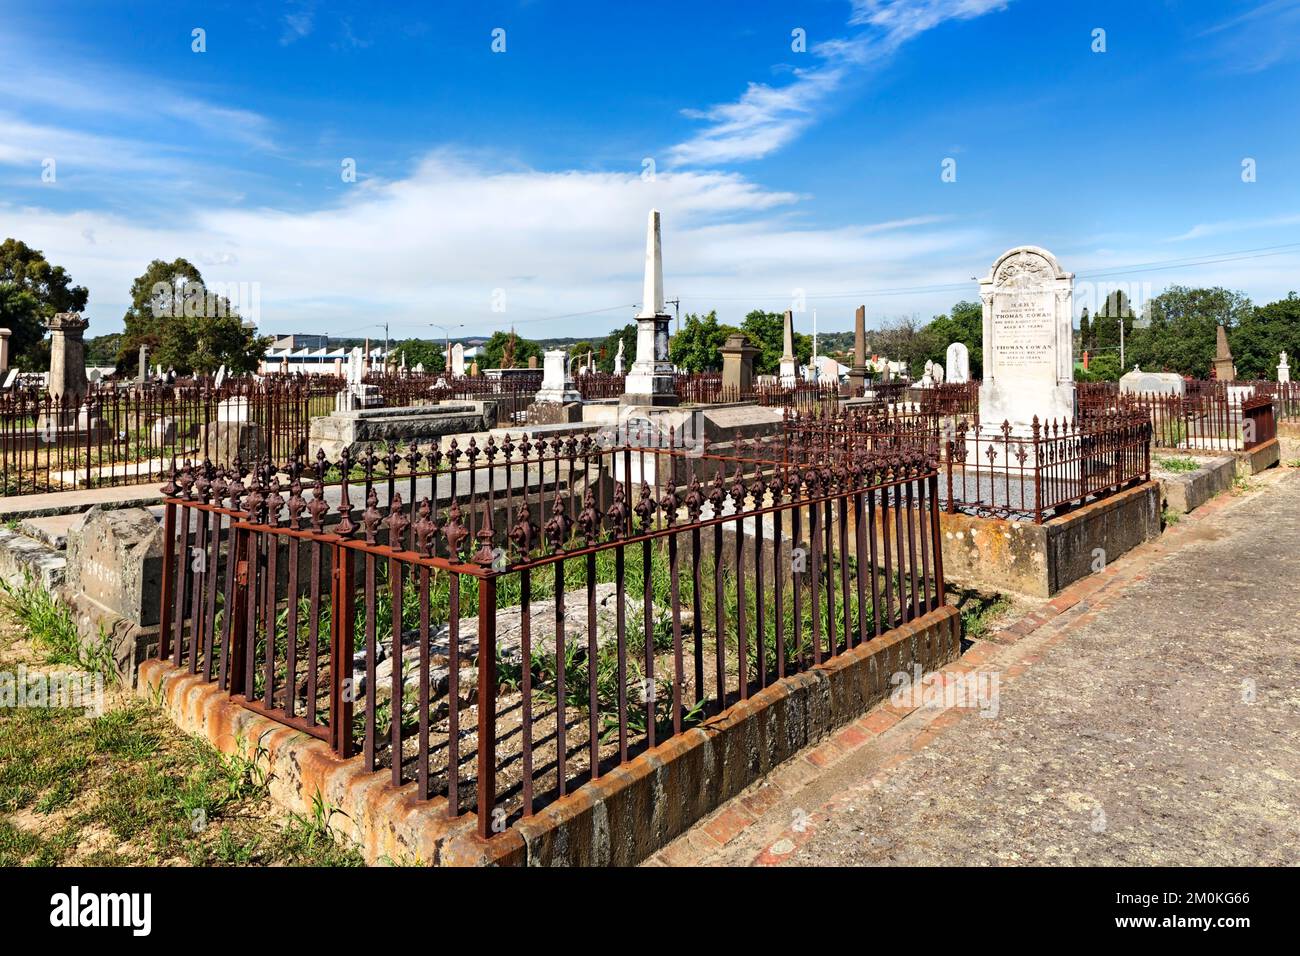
<point x="1206" y="229"/>
<point x="1258" y="38"/>
<point x="765" y="118"/>
<point x="298" y="23"/>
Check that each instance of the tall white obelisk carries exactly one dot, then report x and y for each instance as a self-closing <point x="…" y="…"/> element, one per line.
<point x="650" y="379"/>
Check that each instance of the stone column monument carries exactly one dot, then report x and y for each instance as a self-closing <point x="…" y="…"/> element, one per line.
<point x="789" y="364"/>
<point x="4" y="350"/>
<point x="1225" y="369"/>
<point x="1283" y="369"/>
<point x="737" y="366"/>
<point x="650" y="380"/>
<point x="1028" y="341"/>
<point x="67" y="357"/>
<point x="858" y="373"/>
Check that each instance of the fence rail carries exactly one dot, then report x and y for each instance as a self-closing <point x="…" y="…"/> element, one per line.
<point x="1208" y="416"/>
<point x="134" y="434"/>
<point x="996" y="471"/>
<point x="607" y="598"/>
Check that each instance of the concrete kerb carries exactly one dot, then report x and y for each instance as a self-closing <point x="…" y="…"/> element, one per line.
<point x="1040" y="559"/>
<point x="619" y="819"/>
<point x="1185" y="492"/>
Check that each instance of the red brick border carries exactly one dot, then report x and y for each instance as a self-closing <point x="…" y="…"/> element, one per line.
<point x="619" y="819"/>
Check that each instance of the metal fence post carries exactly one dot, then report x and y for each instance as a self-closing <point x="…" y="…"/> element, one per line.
<point x="342" y="623"/>
<point x="487" y="693"/>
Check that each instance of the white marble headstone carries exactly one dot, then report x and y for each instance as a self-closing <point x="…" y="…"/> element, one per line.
<point x="458" y="360"/>
<point x="957" y="360"/>
<point x="1028" y="341"/>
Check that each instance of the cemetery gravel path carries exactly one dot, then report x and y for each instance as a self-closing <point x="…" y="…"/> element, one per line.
<point x="1149" y="715"/>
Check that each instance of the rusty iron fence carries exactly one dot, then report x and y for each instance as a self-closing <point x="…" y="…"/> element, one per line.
<point x="595" y="386"/>
<point x="545" y="612"/>
<point x="1209" y="416"/>
<point x="512" y="392"/>
<point x="706" y="388"/>
<point x="1259" y="421"/>
<point x="117" y="435"/>
<point x="1034" y="474"/>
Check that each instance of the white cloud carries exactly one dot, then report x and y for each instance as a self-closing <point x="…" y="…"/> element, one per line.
<point x="435" y="246"/>
<point x="1205" y="229"/>
<point x="766" y="118"/>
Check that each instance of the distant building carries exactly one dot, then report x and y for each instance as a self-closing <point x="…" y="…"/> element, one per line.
<point x="316" y="361"/>
<point x="298" y="340"/>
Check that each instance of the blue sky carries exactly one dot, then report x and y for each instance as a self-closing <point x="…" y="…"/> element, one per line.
<point x="511" y="188"/>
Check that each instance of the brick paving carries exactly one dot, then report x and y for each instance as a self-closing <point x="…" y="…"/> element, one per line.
<point x="1149" y="714"/>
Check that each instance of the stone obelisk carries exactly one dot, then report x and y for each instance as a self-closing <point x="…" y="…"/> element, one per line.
<point x="789" y="364"/>
<point x="1225" y="369"/>
<point x="650" y="379"/>
<point x="858" y="373"/>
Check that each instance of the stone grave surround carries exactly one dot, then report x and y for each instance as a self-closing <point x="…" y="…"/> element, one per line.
<point x="1028" y="336"/>
<point x="1152" y="383"/>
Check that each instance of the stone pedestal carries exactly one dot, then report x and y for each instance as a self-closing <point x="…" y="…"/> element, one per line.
<point x="557" y="384"/>
<point x="789" y="364"/>
<point x="737" y="365"/>
<point x="4" y="350"/>
<point x="1225" y="369"/>
<point x="67" y="357"/>
<point x="113" y="581"/>
<point x="227" y="441"/>
<point x="858" y="372"/>
<point x="356" y="397"/>
<point x="1152" y="383"/>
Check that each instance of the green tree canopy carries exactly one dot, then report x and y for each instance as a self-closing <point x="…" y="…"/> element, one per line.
<point x="32" y="291"/>
<point x="1180" y="336"/>
<point x="609" y="348"/>
<point x="1266" y="331"/>
<point x="422" y="351"/>
<point x="964" y="324"/>
<point x="695" y="347"/>
<point x="493" y="349"/>
<point x="766" y="332"/>
<point x="185" y="326"/>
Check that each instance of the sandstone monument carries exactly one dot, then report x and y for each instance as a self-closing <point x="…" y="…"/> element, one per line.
<point x="858" y="373"/>
<point x="1225" y="369"/>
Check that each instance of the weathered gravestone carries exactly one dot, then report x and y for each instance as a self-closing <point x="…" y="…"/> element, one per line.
<point x="737" y="365"/>
<point x="114" y="582"/>
<point x="957" y="360"/>
<point x="1152" y="383"/>
<point x="1028" y="334"/>
<point x="162" y="433"/>
<point x="558" y="400"/>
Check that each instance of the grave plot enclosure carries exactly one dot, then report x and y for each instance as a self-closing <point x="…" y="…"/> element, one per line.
<point x="531" y="623"/>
